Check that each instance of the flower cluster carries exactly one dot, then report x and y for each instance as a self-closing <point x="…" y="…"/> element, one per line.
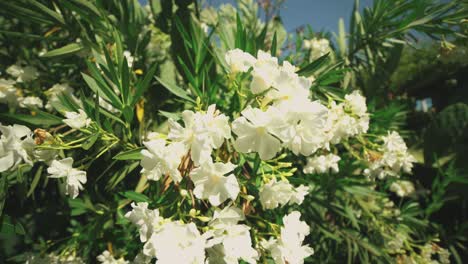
<point x="394" y="160"/>
<point x="402" y="188"/>
<point x="318" y="47"/>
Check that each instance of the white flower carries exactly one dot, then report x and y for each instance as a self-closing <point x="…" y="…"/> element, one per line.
<point x="274" y="194"/>
<point x="14" y="143"/>
<point x="159" y="159"/>
<point x="77" y="120"/>
<point x="55" y="91"/>
<point x="264" y="73"/>
<point x="22" y="74"/>
<point x="212" y="184"/>
<point x="395" y="158"/>
<point x="342" y="125"/>
<point x="356" y="103"/>
<point x="202" y="133"/>
<point x="176" y="242"/>
<point x="107" y="258"/>
<point x="30" y="102"/>
<point x="129" y="57"/>
<point x="234" y="244"/>
<point x="226" y="217"/>
<point x="7" y="91"/>
<point x="239" y="61"/>
<point x="288" y="86"/>
<point x="319" y="47"/>
<point x="288" y="247"/>
<point x="322" y="164"/>
<point x="148" y="221"/>
<point x="74" y="178"/>
<point x="141" y="258"/>
<point x="402" y="188"/>
<point x="253" y="130"/>
<point x="303" y="125"/>
<point x="231" y="241"/>
<point x="299" y="194"/>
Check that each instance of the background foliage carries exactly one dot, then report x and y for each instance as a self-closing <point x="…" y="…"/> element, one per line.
<point x="399" y="53"/>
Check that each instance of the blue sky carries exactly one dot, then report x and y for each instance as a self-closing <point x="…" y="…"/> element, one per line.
<point x="320" y="14"/>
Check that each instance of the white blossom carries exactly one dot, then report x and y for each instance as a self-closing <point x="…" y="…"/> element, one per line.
<point x="30" y="102"/>
<point x="402" y="188"/>
<point x="274" y="194"/>
<point x="14" y="145"/>
<point x="231" y="241"/>
<point x="7" y="91"/>
<point x="74" y="178"/>
<point x="107" y="258"/>
<point x="347" y="119"/>
<point x="22" y="74"/>
<point x="264" y="72"/>
<point x="238" y="60"/>
<point x="129" y="57"/>
<point x="176" y="242"/>
<point x="318" y="47"/>
<point x="212" y="184"/>
<point x="253" y="130"/>
<point x="148" y="221"/>
<point x="394" y="160"/>
<point x="77" y="120"/>
<point x="202" y="133"/>
<point x="322" y="164"/>
<point x="303" y="124"/>
<point x="288" y="247"/>
<point x="55" y="91"/>
<point x="159" y="159"/>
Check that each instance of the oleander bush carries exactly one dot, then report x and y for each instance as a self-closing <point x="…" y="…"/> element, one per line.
<point x="176" y="132"/>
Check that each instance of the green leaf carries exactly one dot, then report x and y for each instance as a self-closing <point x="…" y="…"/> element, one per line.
<point x="9" y="226"/>
<point x="142" y="84"/>
<point x="89" y="142"/>
<point x="66" y="50"/>
<point x="41" y="119"/>
<point x="169" y="115"/>
<point x="176" y="90"/>
<point x="313" y="66"/>
<point x="37" y="177"/>
<point x="274" y="43"/>
<point x="137" y="197"/>
<point x="103" y="90"/>
<point x="47" y="11"/>
<point x="133" y="154"/>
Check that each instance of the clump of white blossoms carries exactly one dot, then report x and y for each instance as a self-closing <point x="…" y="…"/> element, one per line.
<point x="322" y="164"/>
<point x="22" y="74"/>
<point x="14" y="142"/>
<point x="215" y="182"/>
<point x="402" y="188"/>
<point x="107" y="258"/>
<point x="347" y="119"/>
<point x="231" y="241"/>
<point x="57" y="90"/>
<point x="77" y="120"/>
<point x="288" y="248"/>
<point x="274" y="194"/>
<point x="7" y="91"/>
<point x="74" y="178"/>
<point x="210" y="169"/>
<point x="318" y="47"/>
<point x="168" y="241"/>
<point x="31" y="102"/>
<point x="202" y="133"/>
<point x="159" y="159"/>
<point x="394" y="160"/>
